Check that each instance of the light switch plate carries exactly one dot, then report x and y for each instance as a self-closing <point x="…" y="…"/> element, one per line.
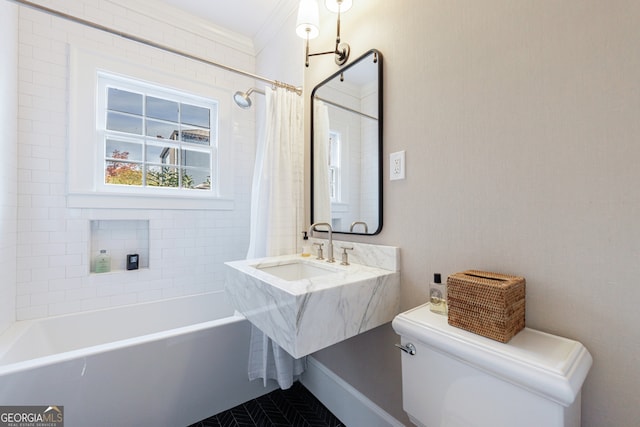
<point x="397" y="165"/>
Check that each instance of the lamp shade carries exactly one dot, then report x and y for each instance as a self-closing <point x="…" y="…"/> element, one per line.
<point x="308" y="19"/>
<point x="334" y="5"/>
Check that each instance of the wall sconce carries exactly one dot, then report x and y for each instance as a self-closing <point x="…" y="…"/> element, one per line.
<point x="307" y="27"/>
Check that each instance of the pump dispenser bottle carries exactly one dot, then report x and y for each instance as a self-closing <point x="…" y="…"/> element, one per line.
<point x="306" y="249"/>
<point x="438" y="295"/>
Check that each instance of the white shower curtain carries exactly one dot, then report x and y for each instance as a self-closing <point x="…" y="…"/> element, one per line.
<point x="277" y="217"/>
<point x="321" y="195"/>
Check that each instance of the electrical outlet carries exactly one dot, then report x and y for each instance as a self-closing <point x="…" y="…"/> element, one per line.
<point x="396" y="165"/>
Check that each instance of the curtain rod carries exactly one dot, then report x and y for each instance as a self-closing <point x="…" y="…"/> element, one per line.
<point x="153" y="44"/>
<point x="351" y="110"/>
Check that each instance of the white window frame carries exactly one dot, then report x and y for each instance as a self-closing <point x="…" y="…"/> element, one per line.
<point x="106" y="81"/>
<point x="86" y="187"/>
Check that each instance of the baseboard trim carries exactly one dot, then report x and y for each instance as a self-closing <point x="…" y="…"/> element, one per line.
<point x="345" y="402"/>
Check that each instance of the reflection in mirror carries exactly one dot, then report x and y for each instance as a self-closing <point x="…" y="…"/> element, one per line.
<point x="346" y="148"/>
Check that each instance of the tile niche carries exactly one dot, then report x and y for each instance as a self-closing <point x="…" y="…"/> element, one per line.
<point x="119" y="238"/>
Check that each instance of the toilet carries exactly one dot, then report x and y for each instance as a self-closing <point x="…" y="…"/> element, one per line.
<point x="454" y="378"/>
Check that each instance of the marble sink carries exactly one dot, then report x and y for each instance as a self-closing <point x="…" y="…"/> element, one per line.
<point x="297" y="269"/>
<point x="305" y="304"/>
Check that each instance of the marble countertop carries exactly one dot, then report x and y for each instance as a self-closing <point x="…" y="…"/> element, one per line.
<point x="306" y="315"/>
<point x="342" y="274"/>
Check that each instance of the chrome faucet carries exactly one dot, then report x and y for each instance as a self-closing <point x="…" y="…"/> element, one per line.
<point x="330" y="244"/>
<point x="354" y="223"/>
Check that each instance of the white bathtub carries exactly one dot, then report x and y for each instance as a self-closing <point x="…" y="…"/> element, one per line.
<point x="168" y="363"/>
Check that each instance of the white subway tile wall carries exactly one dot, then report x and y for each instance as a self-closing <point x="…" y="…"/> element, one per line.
<point x="8" y="160"/>
<point x="187" y="248"/>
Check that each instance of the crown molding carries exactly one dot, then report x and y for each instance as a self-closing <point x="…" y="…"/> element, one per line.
<point x="170" y="15"/>
<point x="274" y="23"/>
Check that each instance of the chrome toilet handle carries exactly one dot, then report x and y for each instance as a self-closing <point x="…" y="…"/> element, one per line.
<point x="408" y="348"/>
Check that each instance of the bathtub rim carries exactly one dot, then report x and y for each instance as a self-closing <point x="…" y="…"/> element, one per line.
<point x="19" y="328"/>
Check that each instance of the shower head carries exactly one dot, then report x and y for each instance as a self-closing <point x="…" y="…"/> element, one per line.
<point x="242" y="98"/>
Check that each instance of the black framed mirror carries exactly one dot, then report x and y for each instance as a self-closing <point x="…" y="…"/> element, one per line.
<point x="346" y="148"/>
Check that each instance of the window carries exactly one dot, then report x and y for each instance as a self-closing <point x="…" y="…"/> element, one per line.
<point x="334" y="166"/>
<point x="145" y="137"/>
<point x="154" y="140"/>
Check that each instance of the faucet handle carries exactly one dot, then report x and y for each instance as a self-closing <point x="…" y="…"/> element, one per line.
<point x="319" y="245"/>
<point x="345" y="256"/>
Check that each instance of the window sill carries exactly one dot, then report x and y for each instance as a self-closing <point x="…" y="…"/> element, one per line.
<point x="138" y="201"/>
<point x="339" y="207"/>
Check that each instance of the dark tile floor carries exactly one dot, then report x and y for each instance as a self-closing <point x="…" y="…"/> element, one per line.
<point x="284" y="408"/>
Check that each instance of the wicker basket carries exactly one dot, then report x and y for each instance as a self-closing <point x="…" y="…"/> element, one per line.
<point x="488" y="304"/>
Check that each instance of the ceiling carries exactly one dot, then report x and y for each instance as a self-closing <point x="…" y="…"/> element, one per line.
<point x="246" y="17"/>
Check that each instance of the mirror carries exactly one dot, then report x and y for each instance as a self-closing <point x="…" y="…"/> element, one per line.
<point x="346" y="148"/>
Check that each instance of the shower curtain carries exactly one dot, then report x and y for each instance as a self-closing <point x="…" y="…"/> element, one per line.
<point x="277" y="217"/>
<point x="321" y="196"/>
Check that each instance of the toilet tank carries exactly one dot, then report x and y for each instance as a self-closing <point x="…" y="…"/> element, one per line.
<point x="460" y="379"/>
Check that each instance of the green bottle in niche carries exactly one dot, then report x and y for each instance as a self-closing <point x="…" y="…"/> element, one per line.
<point x="103" y="262"/>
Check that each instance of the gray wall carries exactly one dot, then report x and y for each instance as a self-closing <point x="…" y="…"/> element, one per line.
<point x="520" y="122"/>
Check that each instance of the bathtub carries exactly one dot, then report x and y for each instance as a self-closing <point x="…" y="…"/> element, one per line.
<point x="167" y="363"/>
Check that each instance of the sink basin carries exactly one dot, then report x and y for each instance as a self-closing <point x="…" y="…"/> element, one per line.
<point x="296" y="270"/>
<point x="305" y="304"/>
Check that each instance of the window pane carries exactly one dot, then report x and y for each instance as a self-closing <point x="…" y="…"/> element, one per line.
<point x="334" y="150"/>
<point x="164" y="155"/>
<point x="332" y="183"/>
<point x="195" y="159"/>
<point x="199" y="179"/>
<point x="123" y="101"/>
<point x="196" y="136"/>
<point x="197" y="116"/>
<point x="122" y="173"/>
<point x="124" y="123"/>
<point x="123" y="150"/>
<point x="162" y="130"/>
<point x="162" y="109"/>
<point x="162" y="176"/>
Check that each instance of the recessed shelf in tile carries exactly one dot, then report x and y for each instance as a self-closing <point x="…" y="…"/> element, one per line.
<point x="119" y="238"/>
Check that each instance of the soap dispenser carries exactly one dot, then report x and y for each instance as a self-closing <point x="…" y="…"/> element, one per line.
<point x="438" y="295"/>
<point x="306" y="249"/>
